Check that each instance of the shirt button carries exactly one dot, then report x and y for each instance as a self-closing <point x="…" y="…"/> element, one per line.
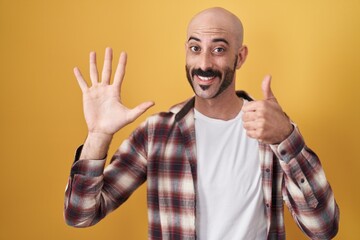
<point x="302" y="180"/>
<point x="283" y="152"/>
<point x="267" y="170"/>
<point x="267" y="205"/>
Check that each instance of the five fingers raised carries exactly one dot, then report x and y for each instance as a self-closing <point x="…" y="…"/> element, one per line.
<point x="106" y="72"/>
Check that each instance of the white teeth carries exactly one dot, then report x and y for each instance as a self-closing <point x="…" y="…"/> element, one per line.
<point x="205" y="78"/>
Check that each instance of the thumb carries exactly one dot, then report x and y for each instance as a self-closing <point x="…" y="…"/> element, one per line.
<point x="266" y="88"/>
<point x="140" y="109"/>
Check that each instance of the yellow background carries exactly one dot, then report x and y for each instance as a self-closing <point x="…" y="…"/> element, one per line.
<point x="310" y="47"/>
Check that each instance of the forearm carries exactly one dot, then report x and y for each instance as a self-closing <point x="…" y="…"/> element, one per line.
<point x="306" y="190"/>
<point x="310" y="198"/>
<point x="84" y="186"/>
<point x="86" y="183"/>
<point x="96" y="146"/>
<point x="93" y="191"/>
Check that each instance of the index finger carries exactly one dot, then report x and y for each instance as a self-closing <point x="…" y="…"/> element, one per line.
<point x="120" y="69"/>
<point x="249" y="106"/>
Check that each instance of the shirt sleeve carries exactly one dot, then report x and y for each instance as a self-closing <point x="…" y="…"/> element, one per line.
<point x="93" y="190"/>
<point x="306" y="190"/>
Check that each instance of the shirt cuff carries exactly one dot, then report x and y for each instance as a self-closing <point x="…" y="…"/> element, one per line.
<point x="87" y="167"/>
<point x="290" y="147"/>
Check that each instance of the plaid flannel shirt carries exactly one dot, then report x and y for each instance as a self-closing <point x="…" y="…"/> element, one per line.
<point x="162" y="151"/>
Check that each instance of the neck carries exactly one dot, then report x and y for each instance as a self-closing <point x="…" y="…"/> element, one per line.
<point x="226" y="106"/>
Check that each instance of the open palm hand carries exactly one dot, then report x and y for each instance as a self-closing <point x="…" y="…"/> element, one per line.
<point x="103" y="109"/>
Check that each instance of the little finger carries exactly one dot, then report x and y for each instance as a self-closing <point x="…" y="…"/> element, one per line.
<point x="82" y="83"/>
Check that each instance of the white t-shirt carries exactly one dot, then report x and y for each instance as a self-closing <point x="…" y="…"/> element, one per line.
<point x="230" y="203"/>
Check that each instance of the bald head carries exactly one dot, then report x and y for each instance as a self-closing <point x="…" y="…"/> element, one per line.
<point x="214" y="52"/>
<point x="217" y="20"/>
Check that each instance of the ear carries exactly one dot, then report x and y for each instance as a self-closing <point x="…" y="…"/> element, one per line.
<point x="242" y="54"/>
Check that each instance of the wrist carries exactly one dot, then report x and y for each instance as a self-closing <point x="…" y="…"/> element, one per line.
<point x="99" y="137"/>
<point x="96" y="145"/>
<point x="289" y="130"/>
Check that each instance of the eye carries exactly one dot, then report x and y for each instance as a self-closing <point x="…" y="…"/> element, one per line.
<point x="219" y="50"/>
<point x="195" y="48"/>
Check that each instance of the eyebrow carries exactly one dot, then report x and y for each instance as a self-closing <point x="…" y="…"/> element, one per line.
<point x="220" y="40"/>
<point x="214" y="40"/>
<point x="194" y="38"/>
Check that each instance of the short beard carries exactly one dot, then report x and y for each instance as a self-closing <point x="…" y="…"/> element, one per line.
<point x="227" y="79"/>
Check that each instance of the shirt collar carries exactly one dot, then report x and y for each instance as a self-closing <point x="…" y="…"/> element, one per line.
<point x="182" y="109"/>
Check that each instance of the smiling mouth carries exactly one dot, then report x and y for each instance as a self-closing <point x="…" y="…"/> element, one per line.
<point x="205" y="77"/>
<point x="202" y="78"/>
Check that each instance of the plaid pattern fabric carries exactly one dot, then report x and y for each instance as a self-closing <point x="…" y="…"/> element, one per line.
<point x="162" y="151"/>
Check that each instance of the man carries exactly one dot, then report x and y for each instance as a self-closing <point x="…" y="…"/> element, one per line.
<point x="218" y="166"/>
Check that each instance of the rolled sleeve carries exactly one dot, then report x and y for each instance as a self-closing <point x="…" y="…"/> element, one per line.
<point x="89" y="168"/>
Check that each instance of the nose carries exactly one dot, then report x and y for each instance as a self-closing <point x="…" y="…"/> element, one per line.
<point x="205" y="61"/>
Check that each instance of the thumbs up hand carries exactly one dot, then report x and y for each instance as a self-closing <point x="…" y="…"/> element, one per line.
<point x="266" y="88"/>
<point x="265" y="120"/>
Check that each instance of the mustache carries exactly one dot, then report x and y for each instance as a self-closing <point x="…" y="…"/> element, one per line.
<point x="207" y="73"/>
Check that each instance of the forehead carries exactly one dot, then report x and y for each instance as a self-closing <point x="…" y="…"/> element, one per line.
<point x="210" y="25"/>
<point x="208" y="31"/>
<point x="212" y="36"/>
